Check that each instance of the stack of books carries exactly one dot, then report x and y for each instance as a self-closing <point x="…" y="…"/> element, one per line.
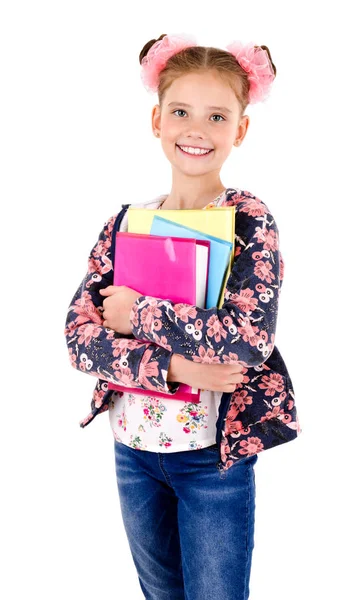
<point x="184" y="256"/>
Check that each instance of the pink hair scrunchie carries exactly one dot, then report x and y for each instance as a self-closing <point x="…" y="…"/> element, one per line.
<point x="257" y="64"/>
<point x="158" y="55"/>
<point x="255" y="61"/>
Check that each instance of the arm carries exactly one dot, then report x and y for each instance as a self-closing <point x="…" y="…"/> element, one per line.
<point x="100" y="351"/>
<point x="243" y="330"/>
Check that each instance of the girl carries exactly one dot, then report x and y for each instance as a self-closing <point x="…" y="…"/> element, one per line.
<point x="185" y="472"/>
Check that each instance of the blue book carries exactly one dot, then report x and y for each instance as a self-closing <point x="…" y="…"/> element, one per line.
<point x="220" y="251"/>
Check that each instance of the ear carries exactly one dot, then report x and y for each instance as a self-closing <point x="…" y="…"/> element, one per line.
<point x="241" y="130"/>
<point x="156" y="120"/>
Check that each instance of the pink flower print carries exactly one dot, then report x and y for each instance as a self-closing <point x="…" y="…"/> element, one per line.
<point x="233" y="427"/>
<point x="276" y="412"/>
<point x="118" y="344"/>
<point x="271" y="240"/>
<point x="79" y="305"/>
<point x="244" y="300"/>
<point x="162" y="341"/>
<point x="254" y="208"/>
<point x="148" y="369"/>
<point x="247" y="331"/>
<point x="70" y="329"/>
<point x="124" y="345"/>
<point x="206" y="355"/>
<point x="84" y="307"/>
<point x="72" y="357"/>
<point x="134" y="315"/>
<point x="290" y="404"/>
<point x="215" y="328"/>
<point x="124" y="375"/>
<point x="186" y="430"/>
<point x="98" y="398"/>
<point x="282" y="266"/>
<point x="225" y="450"/>
<point x="268" y="237"/>
<point x="184" y="311"/>
<point x="93" y="265"/>
<point x="263" y="270"/>
<point x="108" y="230"/>
<point x="147" y="316"/>
<point x="85" y="421"/>
<point x="252" y="445"/>
<point x="97" y="265"/>
<point x="240" y="399"/>
<point x="272" y="384"/>
<point x="236" y="198"/>
<point x="122" y="423"/>
<point x="88" y="332"/>
<point x="232" y="358"/>
<point x="101" y="248"/>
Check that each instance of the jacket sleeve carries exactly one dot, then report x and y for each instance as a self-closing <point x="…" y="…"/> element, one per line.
<point x="243" y="330"/>
<point x="101" y="351"/>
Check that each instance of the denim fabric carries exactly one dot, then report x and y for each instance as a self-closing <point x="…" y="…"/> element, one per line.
<point x="190" y="525"/>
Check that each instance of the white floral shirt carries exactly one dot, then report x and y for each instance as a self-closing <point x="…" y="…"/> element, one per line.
<point x="161" y="424"/>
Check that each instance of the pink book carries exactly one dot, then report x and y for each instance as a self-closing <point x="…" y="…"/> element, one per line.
<point x="172" y="268"/>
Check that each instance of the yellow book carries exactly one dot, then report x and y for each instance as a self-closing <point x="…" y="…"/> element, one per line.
<point x="218" y="221"/>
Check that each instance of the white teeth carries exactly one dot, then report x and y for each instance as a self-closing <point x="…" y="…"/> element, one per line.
<point x="194" y="150"/>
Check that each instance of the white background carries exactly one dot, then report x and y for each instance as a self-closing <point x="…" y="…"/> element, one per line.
<point x="76" y="143"/>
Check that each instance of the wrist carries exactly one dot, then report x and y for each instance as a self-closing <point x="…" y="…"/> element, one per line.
<point x="176" y="366"/>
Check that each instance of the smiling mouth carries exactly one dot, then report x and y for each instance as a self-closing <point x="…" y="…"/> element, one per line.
<point x="194" y="155"/>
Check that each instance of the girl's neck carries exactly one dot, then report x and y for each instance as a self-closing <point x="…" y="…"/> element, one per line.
<point x="184" y="201"/>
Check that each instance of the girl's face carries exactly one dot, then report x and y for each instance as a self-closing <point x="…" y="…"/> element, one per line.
<point x="202" y="111"/>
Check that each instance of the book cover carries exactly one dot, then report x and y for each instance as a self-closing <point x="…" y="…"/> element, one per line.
<point x="172" y="268"/>
<point x="220" y="253"/>
<point x="216" y="221"/>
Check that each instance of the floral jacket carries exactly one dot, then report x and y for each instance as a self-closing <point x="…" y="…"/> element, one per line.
<point x="261" y="412"/>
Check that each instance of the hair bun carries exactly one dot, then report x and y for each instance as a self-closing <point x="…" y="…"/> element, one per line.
<point x="270" y="58"/>
<point x="144" y="51"/>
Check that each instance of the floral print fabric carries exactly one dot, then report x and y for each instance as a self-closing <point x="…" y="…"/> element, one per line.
<point x="261" y="413"/>
<point x="161" y="425"/>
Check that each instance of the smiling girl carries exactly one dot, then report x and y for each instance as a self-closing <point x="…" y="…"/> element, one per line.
<point x="185" y="472"/>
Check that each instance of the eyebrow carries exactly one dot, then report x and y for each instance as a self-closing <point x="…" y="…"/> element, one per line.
<point x="222" y="108"/>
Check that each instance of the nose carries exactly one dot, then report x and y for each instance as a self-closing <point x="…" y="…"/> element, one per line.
<point x="195" y="128"/>
<point x="194" y="135"/>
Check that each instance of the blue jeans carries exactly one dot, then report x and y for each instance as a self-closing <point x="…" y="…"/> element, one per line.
<point x="190" y="527"/>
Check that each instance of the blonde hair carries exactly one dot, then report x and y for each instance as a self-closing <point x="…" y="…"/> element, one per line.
<point x="203" y="59"/>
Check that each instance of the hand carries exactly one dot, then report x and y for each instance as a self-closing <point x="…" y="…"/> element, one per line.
<point x="206" y="376"/>
<point x="117" y="306"/>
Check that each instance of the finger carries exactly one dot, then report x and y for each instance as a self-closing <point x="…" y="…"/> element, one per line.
<point x="110" y="289"/>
